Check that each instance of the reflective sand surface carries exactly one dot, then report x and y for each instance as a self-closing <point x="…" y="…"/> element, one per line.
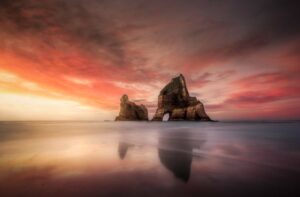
<point x="149" y="159"/>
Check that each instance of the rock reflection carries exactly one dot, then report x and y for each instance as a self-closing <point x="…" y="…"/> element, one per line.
<point x="123" y="148"/>
<point x="175" y="152"/>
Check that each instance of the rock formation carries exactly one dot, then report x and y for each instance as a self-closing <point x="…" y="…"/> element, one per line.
<point x="174" y="99"/>
<point x="130" y="111"/>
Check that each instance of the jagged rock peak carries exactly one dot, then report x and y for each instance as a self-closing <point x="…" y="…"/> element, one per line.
<point x="129" y="111"/>
<point x="175" y="100"/>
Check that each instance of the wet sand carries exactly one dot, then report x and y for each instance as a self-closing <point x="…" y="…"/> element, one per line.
<point x="149" y="159"/>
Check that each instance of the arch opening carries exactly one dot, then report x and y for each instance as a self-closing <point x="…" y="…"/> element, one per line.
<point x="166" y="117"/>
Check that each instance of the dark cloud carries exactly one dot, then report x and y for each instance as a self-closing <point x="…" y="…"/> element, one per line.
<point x="280" y="19"/>
<point x="242" y="28"/>
<point x="73" y="24"/>
<point x="106" y="29"/>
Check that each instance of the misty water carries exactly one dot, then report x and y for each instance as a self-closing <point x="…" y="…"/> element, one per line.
<point x="149" y="158"/>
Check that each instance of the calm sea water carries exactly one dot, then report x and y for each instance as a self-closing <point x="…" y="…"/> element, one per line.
<point x="149" y="159"/>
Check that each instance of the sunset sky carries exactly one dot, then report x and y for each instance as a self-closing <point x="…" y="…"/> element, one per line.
<point x="74" y="59"/>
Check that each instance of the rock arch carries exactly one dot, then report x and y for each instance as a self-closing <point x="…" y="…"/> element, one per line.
<point x="166" y="116"/>
<point x="175" y="99"/>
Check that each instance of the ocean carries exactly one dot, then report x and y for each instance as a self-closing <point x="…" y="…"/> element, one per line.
<point x="48" y="158"/>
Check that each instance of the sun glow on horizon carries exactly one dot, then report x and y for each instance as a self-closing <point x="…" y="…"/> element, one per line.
<point x="32" y="107"/>
<point x="26" y="100"/>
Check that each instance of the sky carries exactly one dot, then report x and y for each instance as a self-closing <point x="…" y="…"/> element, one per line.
<point x="73" y="60"/>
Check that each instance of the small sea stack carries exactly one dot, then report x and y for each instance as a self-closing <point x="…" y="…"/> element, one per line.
<point x="129" y="111"/>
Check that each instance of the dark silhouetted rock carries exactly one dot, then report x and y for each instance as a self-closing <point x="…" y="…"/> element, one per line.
<point x="174" y="99"/>
<point x="130" y="111"/>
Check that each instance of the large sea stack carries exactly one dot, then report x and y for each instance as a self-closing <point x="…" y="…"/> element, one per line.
<point x="130" y="111"/>
<point x="174" y="99"/>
